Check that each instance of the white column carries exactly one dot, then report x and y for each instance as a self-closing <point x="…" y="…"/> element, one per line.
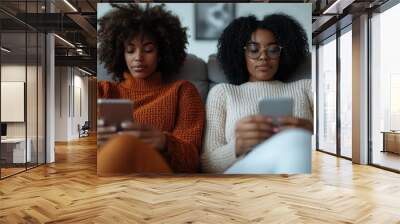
<point x="360" y="90"/>
<point x="50" y="93"/>
<point x="50" y="109"/>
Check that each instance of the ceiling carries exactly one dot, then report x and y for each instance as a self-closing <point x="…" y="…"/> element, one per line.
<point x="76" y="23"/>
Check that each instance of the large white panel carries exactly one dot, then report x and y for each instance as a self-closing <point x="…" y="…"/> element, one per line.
<point x="12" y="101"/>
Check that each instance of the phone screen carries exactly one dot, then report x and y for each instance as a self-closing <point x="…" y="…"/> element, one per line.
<point x="114" y="111"/>
<point x="276" y="107"/>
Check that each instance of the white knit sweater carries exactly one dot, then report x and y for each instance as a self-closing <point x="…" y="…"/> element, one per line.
<point x="227" y="103"/>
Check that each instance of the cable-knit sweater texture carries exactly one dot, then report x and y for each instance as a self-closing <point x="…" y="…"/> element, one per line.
<point x="227" y="103"/>
<point x="175" y="108"/>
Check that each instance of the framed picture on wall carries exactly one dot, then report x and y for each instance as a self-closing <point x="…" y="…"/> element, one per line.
<point x="211" y="19"/>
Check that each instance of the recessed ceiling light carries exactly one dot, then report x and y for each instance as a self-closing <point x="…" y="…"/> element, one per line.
<point x="5" y="50"/>
<point x="84" y="71"/>
<point x="337" y="7"/>
<point x="70" y="5"/>
<point x="65" y="41"/>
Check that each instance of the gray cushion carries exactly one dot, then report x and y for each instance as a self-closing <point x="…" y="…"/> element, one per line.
<point x="215" y="73"/>
<point x="195" y="71"/>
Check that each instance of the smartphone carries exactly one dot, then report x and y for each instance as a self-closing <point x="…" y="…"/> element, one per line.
<point x="275" y="107"/>
<point x="114" y="111"/>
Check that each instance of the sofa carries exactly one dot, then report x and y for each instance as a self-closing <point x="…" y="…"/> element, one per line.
<point x="206" y="75"/>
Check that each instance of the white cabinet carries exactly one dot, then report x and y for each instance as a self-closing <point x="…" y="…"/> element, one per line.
<point x="15" y="148"/>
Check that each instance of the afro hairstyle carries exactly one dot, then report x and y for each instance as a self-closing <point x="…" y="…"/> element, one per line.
<point x="127" y="21"/>
<point x="288" y="33"/>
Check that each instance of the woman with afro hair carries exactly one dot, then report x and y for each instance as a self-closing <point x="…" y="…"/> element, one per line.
<point x="259" y="57"/>
<point x="140" y="47"/>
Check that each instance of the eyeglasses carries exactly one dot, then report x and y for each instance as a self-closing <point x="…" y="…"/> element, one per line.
<point x="253" y="50"/>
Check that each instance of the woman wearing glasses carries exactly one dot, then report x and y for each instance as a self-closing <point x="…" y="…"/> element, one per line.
<point x="141" y="47"/>
<point x="258" y="57"/>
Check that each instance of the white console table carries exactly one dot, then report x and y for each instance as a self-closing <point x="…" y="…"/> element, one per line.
<point x="16" y="147"/>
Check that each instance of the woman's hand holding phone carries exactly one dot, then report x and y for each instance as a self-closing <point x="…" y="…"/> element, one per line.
<point x="111" y="113"/>
<point x="281" y="110"/>
<point x="147" y="134"/>
<point x="286" y="122"/>
<point x="105" y="132"/>
<point x="251" y="131"/>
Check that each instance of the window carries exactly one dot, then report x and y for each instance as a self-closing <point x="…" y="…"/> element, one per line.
<point x="22" y="72"/>
<point x="346" y="93"/>
<point x="327" y="96"/>
<point x="385" y="89"/>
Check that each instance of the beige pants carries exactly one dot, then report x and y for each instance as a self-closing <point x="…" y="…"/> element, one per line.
<point x="126" y="154"/>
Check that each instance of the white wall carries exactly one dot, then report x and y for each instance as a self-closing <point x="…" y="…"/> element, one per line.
<point x="33" y="126"/>
<point x="16" y="73"/>
<point x="13" y="72"/>
<point x="203" y="48"/>
<point x="81" y="104"/>
<point x="71" y="94"/>
<point x="61" y="103"/>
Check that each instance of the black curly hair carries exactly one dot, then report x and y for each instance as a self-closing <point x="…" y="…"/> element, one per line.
<point x="127" y="21"/>
<point x="288" y="33"/>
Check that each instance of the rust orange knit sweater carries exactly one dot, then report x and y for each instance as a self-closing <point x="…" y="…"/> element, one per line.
<point x="175" y="108"/>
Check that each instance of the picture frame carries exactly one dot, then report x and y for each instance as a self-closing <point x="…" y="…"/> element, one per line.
<point x="211" y="19"/>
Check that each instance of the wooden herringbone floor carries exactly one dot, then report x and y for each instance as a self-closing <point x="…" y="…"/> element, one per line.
<point x="70" y="192"/>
